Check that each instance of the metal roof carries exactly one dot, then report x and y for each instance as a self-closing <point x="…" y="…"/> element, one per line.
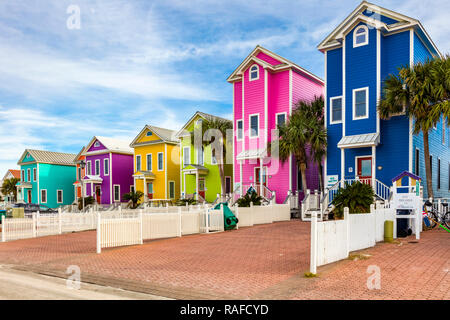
<point x="359" y="141"/>
<point x="50" y="157"/>
<point x="252" y="154"/>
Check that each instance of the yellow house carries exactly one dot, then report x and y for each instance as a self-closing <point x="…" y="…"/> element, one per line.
<point x="156" y="163"/>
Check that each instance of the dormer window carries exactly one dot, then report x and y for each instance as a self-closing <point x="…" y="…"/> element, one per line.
<point x="97" y="144"/>
<point x="360" y="36"/>
<point x="149" y="133"/>
<point x="254" y="72"/>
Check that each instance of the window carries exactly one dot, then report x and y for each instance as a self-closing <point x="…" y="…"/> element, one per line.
<point x="23" y="175"/>
<point x="200" y="153"/>
<point x="79" y="173"/>
<point x="186" y="156"/>
<point x="97" y="167"/>
<point x="254" y="72"/>
<point x="97" y="144"/>
<point x="199" y="121"/>
<point x="89" y="167"/>
<point x="59" y="196"/>
<point x="431" y="167"/>
<point x="213" y="156"/>
<point x="171" y="189"/>
<point x="106" y="167"/>
<point x="280" y="119"/>
<point x="131" y="189"/>
<point x="116" y="192"/>
<point x="149" y="133"/>
<point x="160" y="161"/>
<point x="228" y="185"/>
<point x="28" y="175"/>
<point x="361" y="103"/>
<point x="360" y="36"/>
<point x="336" y="110"/>
<point x="34" y="174"/>
<point x="254" y="126"/>
<point x="417" y="163"/>
<point x="239" y="131"/>
<point x="138" y="163"/>
<point x="44" y="196"/>
<point x="149" y="162"/>
<point x="439" y="174"/>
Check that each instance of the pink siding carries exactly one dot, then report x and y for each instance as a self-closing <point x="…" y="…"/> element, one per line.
<point x="237" y="115"/>
<point x="303" y="87"/>
<point x="267" y="58"/>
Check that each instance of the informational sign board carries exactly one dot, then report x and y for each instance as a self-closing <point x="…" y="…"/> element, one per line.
<point x="332" y="180"/>
<point x="405" y="201"/>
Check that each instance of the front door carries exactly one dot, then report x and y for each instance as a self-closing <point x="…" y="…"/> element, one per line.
<point x="150" y="190"/>
<point x="258" y="176"/>
<point x="364" y="169"/>
<point x="29" y="195"/>
<point x="98" y="194"/>
<point x="228" y="185"/>
<point x="201" y="188"/>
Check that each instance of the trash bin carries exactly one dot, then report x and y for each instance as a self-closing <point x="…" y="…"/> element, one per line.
<point x="2" y="214"/>
<point x="388" y="231"/>
<point x="403" y="229"/>
<point x="229" y="218"/>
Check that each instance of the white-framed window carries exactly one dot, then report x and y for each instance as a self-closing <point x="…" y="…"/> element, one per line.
<point x="34" y="174"/>
<point x="131" y="189"/>
<point x="23" y="175"/>
<point x="138" y="163"/>
<point x="106" y="167"/>
<point x="439" y="174"/>
<point x="361" y="103"/>
<point x="43" y="195"/>
<point x="59" y="196"/>
<point x="28" y="174"/>
<point x="335" y="110"/>
<point x="149" y="162"/>
<point x="239" y="130"/>
<point x="160" y="161"/>
<point x="360" y="36"/>
<point x="280" y="118"/>
<point x="254" y="72"/>
<point x="116" y="192"/>
<point x="200" y="156"/>
<point x="79" y="173"/>
<point x="199" y="121"/>
<point x="253" y="120"/>
<point x="97" y="167"/>
<point x="97" y="144"/>
<point x="149" y="133"/>
<point x="89" y="167"/>
<point x="213" y="156"/>
<point x="186" y="156"/>
<point x="171" y="189"/>
<point x="417" y="163"/>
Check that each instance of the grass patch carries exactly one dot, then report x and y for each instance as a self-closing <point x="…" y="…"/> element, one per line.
<point x="310" y="275"/>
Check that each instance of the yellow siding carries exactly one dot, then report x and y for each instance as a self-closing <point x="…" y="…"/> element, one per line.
<point x="145" y="138"/>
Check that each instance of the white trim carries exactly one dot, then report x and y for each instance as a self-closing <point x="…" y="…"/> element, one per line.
<point x="132" y="187"/>
<point x="197" y="153"/>
<point x="261" y="175"/>
<point x="290" y="112"/>
<point x="378" y="78"/>
<point x="344" y="95"/>
<point x="35" y="174"/>
<point x="354" y="104"/>
<point x="280" y="113"/>
<point x="243" y="113"/>
<point x="356" y="164"/>
<point x="111" y="178"/>
<point x="62" y="196"/>
<point x="40" y="194"/>
<point x="184" y="152"/>
<point x="140" y="163"/>
<point x="234" y="141"/>
<point x="410" y="133"/>
<point x="266" y="107"/>
<point x="89" y="167"/>
<point x="343" y="164"/>
<point x="250" y="72"/>
<point x="174" y="186"/>
<point x="114" y="193"/>
<point x="29" y="175"/>
<point x="151" y="162"/>
<point x="325" y="114"/>
<point x="237" y="130"/>
<point x="95" y="167"/>
<point x="157" y="161"/>
<point x="366" y="33"/>
<point x="105" y="165"/>
<point x="164" y="169"/>
<point x="250" y="126"/>
<point x="331" y="110"/>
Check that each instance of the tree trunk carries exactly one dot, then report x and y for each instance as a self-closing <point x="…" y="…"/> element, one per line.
<point x="222" y="182"/>
<point x="303" y="171"/>
<point x="426" y="154"/>
<point x="321" y="182"/>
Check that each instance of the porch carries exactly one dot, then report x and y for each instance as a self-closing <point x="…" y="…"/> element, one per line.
<point x="199" y="188"/>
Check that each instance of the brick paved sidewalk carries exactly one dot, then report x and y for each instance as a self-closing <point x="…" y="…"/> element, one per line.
<point x="261" y="262"/>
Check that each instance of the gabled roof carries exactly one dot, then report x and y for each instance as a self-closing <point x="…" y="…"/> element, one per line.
<point x="14" y="173"/>
<point x="111" y="144"/>
<point x="408" y="174"/>
<point x="50" y="157"/>
<point x="205" y="116"/>
<point x="334" y="39"/>
<point x="78" y="156"/>
<point x="166" y="135"/>
<point x="252" y="58"/>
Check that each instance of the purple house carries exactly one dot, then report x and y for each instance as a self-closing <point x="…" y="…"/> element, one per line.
<point x="109" y="169"/>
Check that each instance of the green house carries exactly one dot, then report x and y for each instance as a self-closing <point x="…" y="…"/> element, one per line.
<point x="200" y="175"/>
<point x="46" y="178"/>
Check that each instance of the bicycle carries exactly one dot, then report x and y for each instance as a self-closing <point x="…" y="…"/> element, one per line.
<point x="436" y="217"/>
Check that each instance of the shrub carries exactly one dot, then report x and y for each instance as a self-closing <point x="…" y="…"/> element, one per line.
<point x="357" y="197"/>
<point x="134" y="197"/>
<point x="87" y="201"/>
<point x="183" y="202"/>
<point x="249" y="197"/>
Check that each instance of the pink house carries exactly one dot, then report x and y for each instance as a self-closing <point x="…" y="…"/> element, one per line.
<point x="265" y="89"/>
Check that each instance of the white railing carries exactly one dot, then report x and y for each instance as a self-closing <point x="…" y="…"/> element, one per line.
<point x="311" y="203"/>
<point x="382" y="190"/>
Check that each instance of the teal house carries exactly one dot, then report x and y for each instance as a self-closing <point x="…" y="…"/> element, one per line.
<point x="46" y="178"/>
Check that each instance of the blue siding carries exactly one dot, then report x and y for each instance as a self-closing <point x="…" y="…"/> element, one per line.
<point x="421" y="54"/>
<point x="350" y="160"/>
<point x="379" y="17"/>
<point x="360" y="71"/>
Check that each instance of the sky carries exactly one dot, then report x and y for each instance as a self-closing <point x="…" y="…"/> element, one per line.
<point x="132" y="63"/>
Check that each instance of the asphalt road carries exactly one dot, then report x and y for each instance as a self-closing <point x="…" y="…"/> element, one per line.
<point x="21" y="285"/>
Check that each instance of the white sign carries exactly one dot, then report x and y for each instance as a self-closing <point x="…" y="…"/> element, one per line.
<point x="405" y="201"/>
<point x="332" y="180"/>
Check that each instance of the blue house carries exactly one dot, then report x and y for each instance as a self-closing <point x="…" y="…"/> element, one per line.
<point x="46" y="178"/>
<point x="371" y="43"/>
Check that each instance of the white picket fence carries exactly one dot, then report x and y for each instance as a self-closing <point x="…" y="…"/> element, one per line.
<point x="44" y="225"/>
<point x="249" y="216"/>
<point x="332" y="241"/>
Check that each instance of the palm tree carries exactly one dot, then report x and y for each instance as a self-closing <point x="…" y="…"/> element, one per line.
<point x="134" y="197"/>
<point x="213" y="128"/>
<point x="422" y="91"/>
<point x="9" y="187"/>
<point x="303" y="136"/>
